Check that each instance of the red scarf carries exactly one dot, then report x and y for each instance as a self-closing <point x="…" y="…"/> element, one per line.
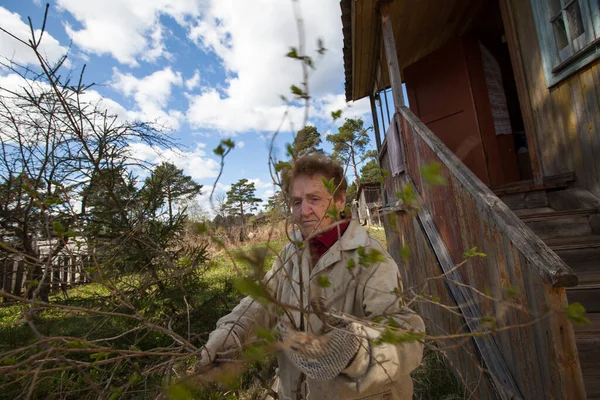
<point x="320" y="244"/>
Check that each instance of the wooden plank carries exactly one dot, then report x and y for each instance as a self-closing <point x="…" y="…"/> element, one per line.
<point x="590" y="134"/>
<point x="585" y="242"/>
<point x="580" y="124"/>
<point x="587" y="295"/>
<point x="493" y="358"/>
<point x="552" y="269"/>
<point x="391" y="56"/>
<point x="520" y="317"/>
<point x="440" y="321"/>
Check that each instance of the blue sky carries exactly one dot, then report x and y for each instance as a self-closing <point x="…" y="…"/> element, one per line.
<point x="209" y="69"/>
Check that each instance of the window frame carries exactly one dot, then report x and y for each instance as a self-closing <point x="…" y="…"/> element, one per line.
<point x="556" y="69"/>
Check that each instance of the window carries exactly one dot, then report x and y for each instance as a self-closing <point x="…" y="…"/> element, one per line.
<point x="569" y="35"/>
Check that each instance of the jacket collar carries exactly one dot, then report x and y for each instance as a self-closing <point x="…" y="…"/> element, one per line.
<point x="354" y="237"/>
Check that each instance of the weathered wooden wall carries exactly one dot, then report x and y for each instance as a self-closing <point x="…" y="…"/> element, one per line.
<point x="565" y="119"/>
<point x="517" y="284"/>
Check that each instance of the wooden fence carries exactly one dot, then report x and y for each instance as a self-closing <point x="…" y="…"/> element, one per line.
<point x="516" y="291"/>
<point x="67" y="269"/>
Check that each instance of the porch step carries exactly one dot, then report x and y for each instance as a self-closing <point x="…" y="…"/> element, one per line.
<point x="548" y="223"/>
<point x="586" y="294"/>
<point x="588" y="346"/>
<point x="572" y="243"/>
<point x="585" y="262"/>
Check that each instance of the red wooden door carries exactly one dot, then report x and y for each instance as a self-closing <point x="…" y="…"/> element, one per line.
<point x="447" y="91"/>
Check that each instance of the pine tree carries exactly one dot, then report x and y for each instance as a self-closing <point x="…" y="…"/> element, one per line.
<point x="167" y="185"/>
<point x="241" y="200"/>
<point x="350" y="143"/>
<point x="307" y="141"/>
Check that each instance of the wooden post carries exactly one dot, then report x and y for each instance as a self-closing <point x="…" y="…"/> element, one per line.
<point x="391" y="56"/>
<point x="375" y="123"/>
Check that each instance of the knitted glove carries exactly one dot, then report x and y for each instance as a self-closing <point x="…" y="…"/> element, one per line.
<point x="320" y="357"/>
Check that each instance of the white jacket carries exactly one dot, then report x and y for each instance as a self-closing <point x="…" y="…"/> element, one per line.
<point x="364" y="292"/>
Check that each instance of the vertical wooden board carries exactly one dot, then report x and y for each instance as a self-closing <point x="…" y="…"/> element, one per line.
<point x="559" y="138"/>
<point x="513" y="344"/>
<point x="581" y="127"/>
<point x="563" y="346"/>
<point x="520" y="316"/>
<point x="596" y="73"/>
<point x="590" y="133"/>
<point x="535" y="292"/>
<point x="443" y="322"/>
<point x="536" y="82"/>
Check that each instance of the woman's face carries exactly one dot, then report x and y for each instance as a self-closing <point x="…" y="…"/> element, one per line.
<point x="310" y="201"/>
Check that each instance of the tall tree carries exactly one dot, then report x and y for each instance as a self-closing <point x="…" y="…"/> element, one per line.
<point x="350" y="143"/>
<point x="307" y="141"/>
<point x="370" y="172"/>
<point x="168" y="185"/>
<point x="241" y="200"/>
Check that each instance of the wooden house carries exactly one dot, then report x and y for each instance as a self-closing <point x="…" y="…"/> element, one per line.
<point x="503" y="99"/>
<point x="366" y="206"/>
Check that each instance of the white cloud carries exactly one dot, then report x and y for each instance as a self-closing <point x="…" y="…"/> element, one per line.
<point x="127" y="30"/>
<point x="151" y="94"/>
<point x="240" y="145"/>
<point x="334" y="102"/>
<point x="258" y="184"/>
<point x="193" y="82"/>
<point x="18" y="52"/>
<point x="251" y="38"/>
<point x="194" y="163"/>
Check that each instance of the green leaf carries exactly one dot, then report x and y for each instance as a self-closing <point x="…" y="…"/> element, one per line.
<point x="329" y="184"/>
<point x="392" y="337"/>
<point x="293" y="53"/>
<point x="473" y="253"/>
<point x="9" y="361"/>
<point x="391" y="322"/>
<point x="576" y="314"/>
<point x="283" y="98"/>
<point x="309" y="62"/>
<point x="407" y="195"/>
<point x="228" y="143"/>
<point x="336" y="114"/>
<point x="290" y="149"/>
<point x="219" y="150"/>
<point x="432" y="174"/>
<point x="75" y="344"/>
<point x="254" y="352"/>
<point x="323" y="281"/>
<point x="351" y="264"/>
<point x="252" y="288"/>
<point x="58" y="228"/>
<point x="281" y="165"/>
<point x="296" y="90"/>
<point x="103" y="355"/>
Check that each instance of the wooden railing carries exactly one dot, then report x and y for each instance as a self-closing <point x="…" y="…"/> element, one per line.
<point x="517" y="291"/>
